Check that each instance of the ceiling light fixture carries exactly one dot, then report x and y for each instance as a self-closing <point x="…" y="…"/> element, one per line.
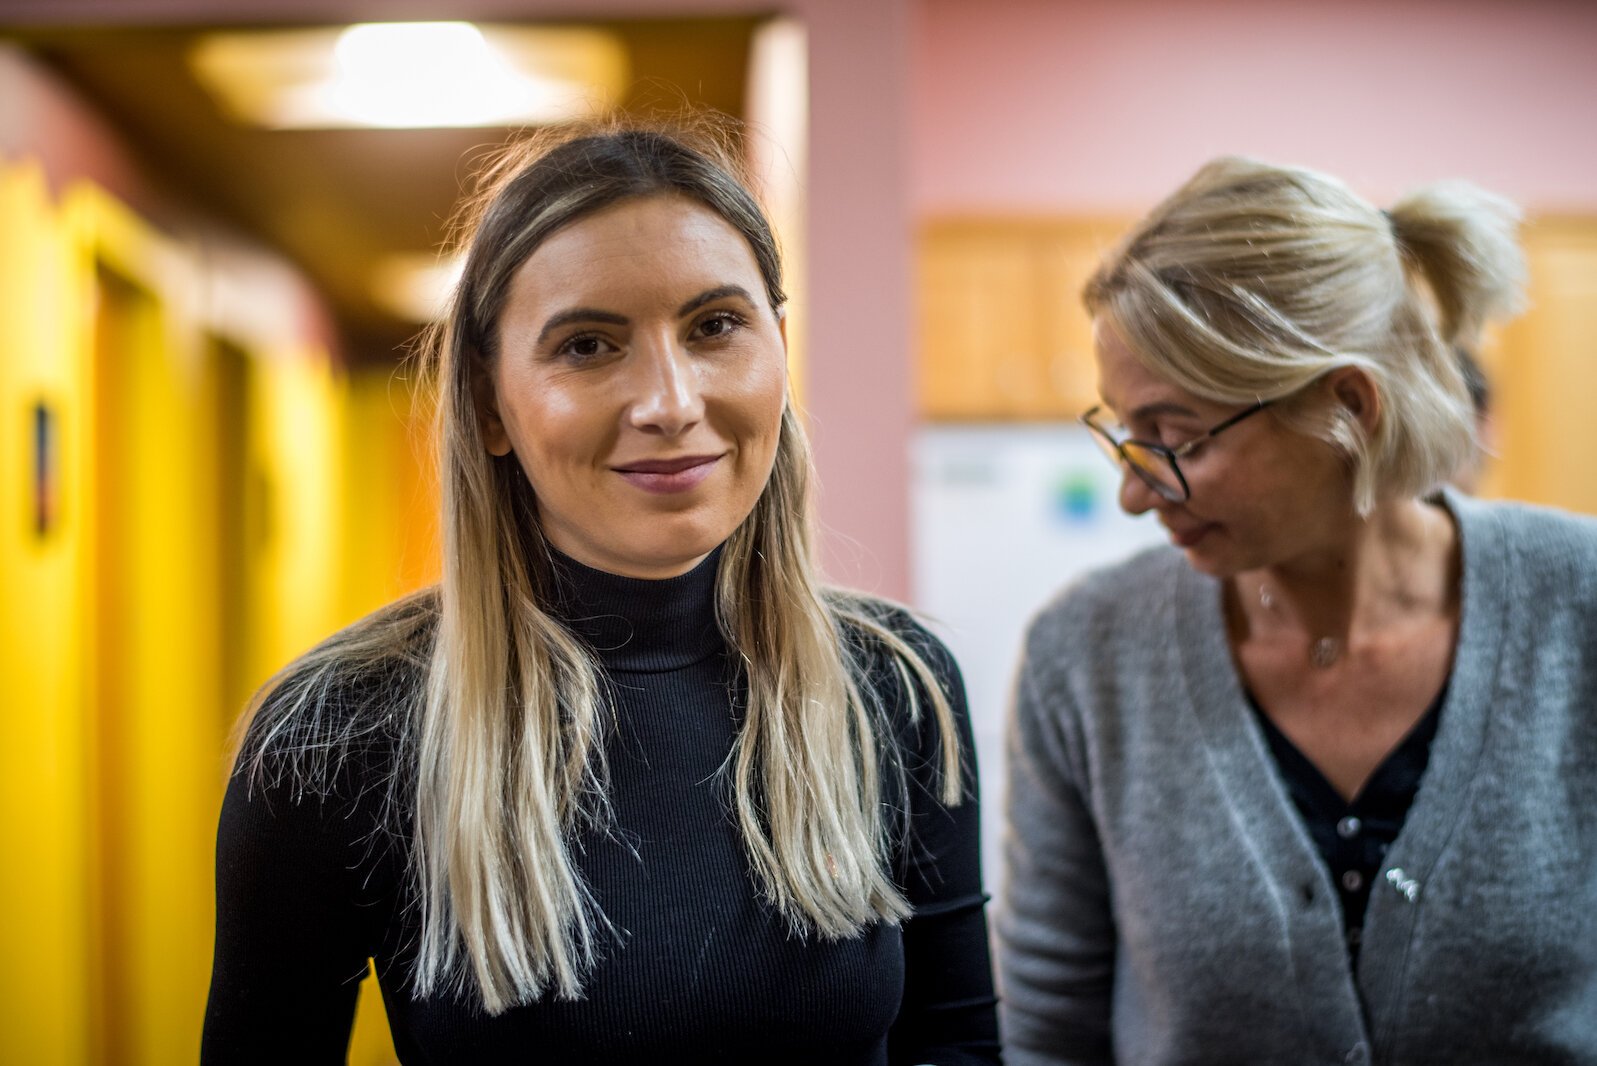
<point x="412" y="74"/>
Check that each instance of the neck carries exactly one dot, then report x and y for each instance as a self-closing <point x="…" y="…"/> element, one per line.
<point x="637" y="624"/>
<point x="1369" y="574"/>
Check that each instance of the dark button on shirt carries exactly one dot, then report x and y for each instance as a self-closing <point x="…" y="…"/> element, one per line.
<point x="1352" y="838"/>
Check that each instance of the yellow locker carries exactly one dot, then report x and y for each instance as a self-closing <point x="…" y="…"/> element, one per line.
<point x="151" y="634"/>
<point x="207" y="503"/>
<point x="45" y="948"/>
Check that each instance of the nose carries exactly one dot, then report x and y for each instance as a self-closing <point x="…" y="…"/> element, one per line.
<point x="668" y="399"/>
<point x="1135" y="496"/>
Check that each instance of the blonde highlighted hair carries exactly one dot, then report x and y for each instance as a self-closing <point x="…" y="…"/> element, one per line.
<point x="1253" y="281"/>
<point x="498" y="709"/>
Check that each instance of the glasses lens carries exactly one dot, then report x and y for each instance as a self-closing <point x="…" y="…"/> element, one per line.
<point x="1105" y="442"/>
<point x="1156" y="469"/>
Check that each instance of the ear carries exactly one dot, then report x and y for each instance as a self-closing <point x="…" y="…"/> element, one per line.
<point x="781" y="325"/>
<point x="493" y="427"/>
<point x="1352" y="389"/>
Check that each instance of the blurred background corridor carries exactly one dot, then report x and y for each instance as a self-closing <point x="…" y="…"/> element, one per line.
<point x="220" y="227"/>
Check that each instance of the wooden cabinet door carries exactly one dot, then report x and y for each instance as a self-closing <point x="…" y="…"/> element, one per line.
<point x="979" y="325"/>
<point x="1071" y="252"/>
<point x="1543" y="370"/>
<point x="1003" y="335"/>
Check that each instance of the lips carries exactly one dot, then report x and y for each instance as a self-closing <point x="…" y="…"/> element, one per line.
<point x="676" y="474"/>
<point x="1186" y="538"/>
<point x="665" y="466"/>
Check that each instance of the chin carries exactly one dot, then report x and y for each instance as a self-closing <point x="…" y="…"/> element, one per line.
<point x="672" y="551"/>
<point x="1214" y="564"/>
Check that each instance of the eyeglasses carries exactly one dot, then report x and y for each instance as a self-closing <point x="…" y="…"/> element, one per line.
<point x="1154" y="463"/>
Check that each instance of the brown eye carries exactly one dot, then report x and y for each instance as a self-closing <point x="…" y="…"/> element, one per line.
<point x="584" y="347"/>
<point x="720" y="324"/>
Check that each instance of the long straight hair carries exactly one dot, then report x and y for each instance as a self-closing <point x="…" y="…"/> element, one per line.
<point x="501" y="717"/>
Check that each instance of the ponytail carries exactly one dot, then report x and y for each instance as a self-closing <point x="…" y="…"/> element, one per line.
<point x="1464" y="241"/>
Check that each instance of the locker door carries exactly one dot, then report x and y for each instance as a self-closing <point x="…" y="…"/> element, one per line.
<point x="155" y="735"/>
<point x="238" y="520"/>
<point x="122" y="322"/>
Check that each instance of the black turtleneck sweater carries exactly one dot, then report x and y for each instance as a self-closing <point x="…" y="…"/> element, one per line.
<point x="700" y="969"/>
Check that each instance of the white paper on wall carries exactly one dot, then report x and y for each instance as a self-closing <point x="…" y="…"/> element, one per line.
<point x="1003" y="517"/>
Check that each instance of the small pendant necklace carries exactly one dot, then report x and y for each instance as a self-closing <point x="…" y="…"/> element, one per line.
<point x="1323" y="652"/>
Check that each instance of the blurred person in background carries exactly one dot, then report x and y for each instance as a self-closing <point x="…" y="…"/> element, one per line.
<point x="1468" y="476"/>
<point x="1314" y="783"/>
<point x="631" y="785"/>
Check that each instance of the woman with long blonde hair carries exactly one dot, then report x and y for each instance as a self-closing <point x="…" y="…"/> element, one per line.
<point x="631" y="784"/>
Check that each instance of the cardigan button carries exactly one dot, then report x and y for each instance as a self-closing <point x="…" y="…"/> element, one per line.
<point x="1349" y="827"/>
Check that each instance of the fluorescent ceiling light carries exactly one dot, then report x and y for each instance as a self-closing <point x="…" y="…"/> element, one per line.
<point x="411" y="74"/>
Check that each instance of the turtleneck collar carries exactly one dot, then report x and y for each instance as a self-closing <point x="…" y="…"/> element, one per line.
<point x="637" y="625"/>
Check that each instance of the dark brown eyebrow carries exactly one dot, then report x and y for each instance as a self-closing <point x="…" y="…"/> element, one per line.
<point x="711" y="295"/>
<point x="610" y="318"/>
<point x="580" y="314"/>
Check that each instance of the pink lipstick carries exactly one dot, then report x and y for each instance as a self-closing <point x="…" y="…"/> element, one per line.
<point x="668" y="475"/>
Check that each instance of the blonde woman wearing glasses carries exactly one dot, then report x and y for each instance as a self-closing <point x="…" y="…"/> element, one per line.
<point x="631" y="785"/>
<point x="1316" y="782"/>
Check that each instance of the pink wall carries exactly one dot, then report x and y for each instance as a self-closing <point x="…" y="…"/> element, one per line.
<point x="860" y="382"/>
<point x="859" y="392"/>
<point x="1106" y="105"/>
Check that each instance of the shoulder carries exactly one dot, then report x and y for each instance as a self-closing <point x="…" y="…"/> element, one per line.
<point x="344" y="709"/>
<point x="878" y="632"/>
<point x="905" y="672"/>
<point x="1120" y="607"/>
<point x="1543" y="550"/>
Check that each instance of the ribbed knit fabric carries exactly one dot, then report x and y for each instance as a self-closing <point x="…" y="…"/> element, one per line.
<point x="698" y="970"/>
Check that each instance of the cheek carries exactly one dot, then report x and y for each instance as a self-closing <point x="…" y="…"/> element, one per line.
<point x="547" y="415"/>
<point x="755" y="401"/>
<point x="770" y="427"/>
<point x="1294" y="500"/>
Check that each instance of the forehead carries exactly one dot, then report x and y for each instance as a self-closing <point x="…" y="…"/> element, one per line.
<point x="636" y="247"/>
<point x="1127" y="385"/>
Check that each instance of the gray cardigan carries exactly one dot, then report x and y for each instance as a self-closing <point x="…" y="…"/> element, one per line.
<point x="1164" y="903"/>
